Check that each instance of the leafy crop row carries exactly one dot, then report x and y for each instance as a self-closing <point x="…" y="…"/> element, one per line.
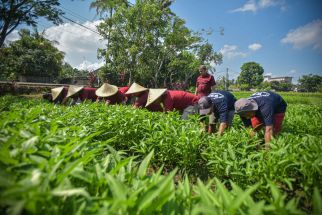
<point x="96" y="159"/>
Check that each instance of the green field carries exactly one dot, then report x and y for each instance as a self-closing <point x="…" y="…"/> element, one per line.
<point x="91" y="159"/>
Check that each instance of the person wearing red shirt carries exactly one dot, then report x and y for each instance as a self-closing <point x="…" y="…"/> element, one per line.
<point x="79" y="94"/>
<point x="205" y="82"/>
<point x="73" y="94"/>
<point x="140" y="94"/>
<point x="172" y="100"/>
<point x="57" y="95"/>
<point x="112" y="94"/>
<point x="88" y="93"/>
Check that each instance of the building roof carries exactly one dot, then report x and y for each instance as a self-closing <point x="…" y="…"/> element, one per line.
<point x="277" y="77"/>
<point x="282" y="77"/>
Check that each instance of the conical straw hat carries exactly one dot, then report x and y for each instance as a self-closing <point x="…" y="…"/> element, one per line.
<point x="72" y="90"/>
<point x="106" y="90"/>
<point x="154" y="94"/>
<point x="55" y="92"/>
<point x="136" y="88"/>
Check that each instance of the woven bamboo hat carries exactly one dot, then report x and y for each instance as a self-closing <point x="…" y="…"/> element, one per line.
<point x="154" y="94"/>
<point x="106" y="90"/>
<point x="136" y="88"/>
<point x="55" y="92"/>
<point x="72" y="90"/>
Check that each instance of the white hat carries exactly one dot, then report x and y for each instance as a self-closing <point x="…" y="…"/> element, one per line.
<point x="154" y="94"/>
<point x="106" y="90"/>
<point x="55" y="92"/>
<point x="136" y="88"/>
<point x="72" y="90"/>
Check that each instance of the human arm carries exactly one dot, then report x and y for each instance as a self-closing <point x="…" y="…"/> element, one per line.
<point x="268" y="134"/>
<point x="64" y="101"/>
<point x="212" y="83"/>
<point x="222" y="127"/>
<point x="107" y="102"/>
<point x="196" y="87"/>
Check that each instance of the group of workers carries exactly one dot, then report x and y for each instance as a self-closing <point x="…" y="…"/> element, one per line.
<point x="262" y="109"/>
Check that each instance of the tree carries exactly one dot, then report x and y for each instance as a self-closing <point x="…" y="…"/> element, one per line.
<point x="281" y="86"/>
<point x="251" y="75"/>
<point x="17" y="12"/>
<point x="31" y="55"/>
<point x="147" y="41"/>
<point x="207" y="55"/>
<point x="68" y="71"/>
<point x="310" y="83"/>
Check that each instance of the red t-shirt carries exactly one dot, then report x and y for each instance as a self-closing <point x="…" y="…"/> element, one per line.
<point x="88" y="93"/>
<point x="141" y="102"/>
<point x="204" y="84"/>
<point x="123" y="90"/>
<point x="178" y="100"/>
<point x="119" y="97"/>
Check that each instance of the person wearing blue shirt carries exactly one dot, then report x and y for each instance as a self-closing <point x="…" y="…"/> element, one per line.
<point x="262" y="109"/>
<point x="219" y="105"/>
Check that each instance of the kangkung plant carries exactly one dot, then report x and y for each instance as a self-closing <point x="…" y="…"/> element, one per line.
<point x="93" y="158"/>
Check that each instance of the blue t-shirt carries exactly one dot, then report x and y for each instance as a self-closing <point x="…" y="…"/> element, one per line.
<point x="269" y="103"/>
<point x="222" y="102"/>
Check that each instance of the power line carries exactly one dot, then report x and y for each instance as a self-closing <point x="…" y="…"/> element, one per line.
<point x="76" y="15"/>
<point x="82" y="26"/>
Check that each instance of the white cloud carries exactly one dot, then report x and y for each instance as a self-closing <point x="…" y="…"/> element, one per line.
<point x="269" y="74"/>
<point x="253" y="6"/>
<point x="231" y="51"/>
<point x="268" y="3"/>
<point x="78" y="43"/>
<point x="89" y="66"/>
<point x="249" y="6"/>
<point x="13" y="36"/>
<point x="255" y="46"/>
<point x="293" y="71"/>
<point x="309" y="35"/>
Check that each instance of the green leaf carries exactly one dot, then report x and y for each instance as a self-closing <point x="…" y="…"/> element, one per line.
<point x="144" y="165"/>
<point x="117" y="188"/>
<point x="71" y="192"/>
<point x="158" y="188"/>
<point x="317" y="202"/>
<point x="241" y="196"/>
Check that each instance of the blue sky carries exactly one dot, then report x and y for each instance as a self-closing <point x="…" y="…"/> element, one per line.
<point x="284" y="36"/>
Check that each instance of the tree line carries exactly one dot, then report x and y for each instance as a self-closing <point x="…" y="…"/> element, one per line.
<point x="146" y="42"/>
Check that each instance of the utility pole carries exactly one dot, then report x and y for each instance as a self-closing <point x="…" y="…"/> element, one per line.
<point x="227" y="80"/>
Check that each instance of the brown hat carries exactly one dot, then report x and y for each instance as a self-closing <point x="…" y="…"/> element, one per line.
<point x="243" y="105"/>
<point x="136" y="88"/>
<point x="204" y="105"/>
<point x="154" y="94"/>
<point x="73" y="89"/>
<point x="55" y="92"/>
<point x="106" y="90"/>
